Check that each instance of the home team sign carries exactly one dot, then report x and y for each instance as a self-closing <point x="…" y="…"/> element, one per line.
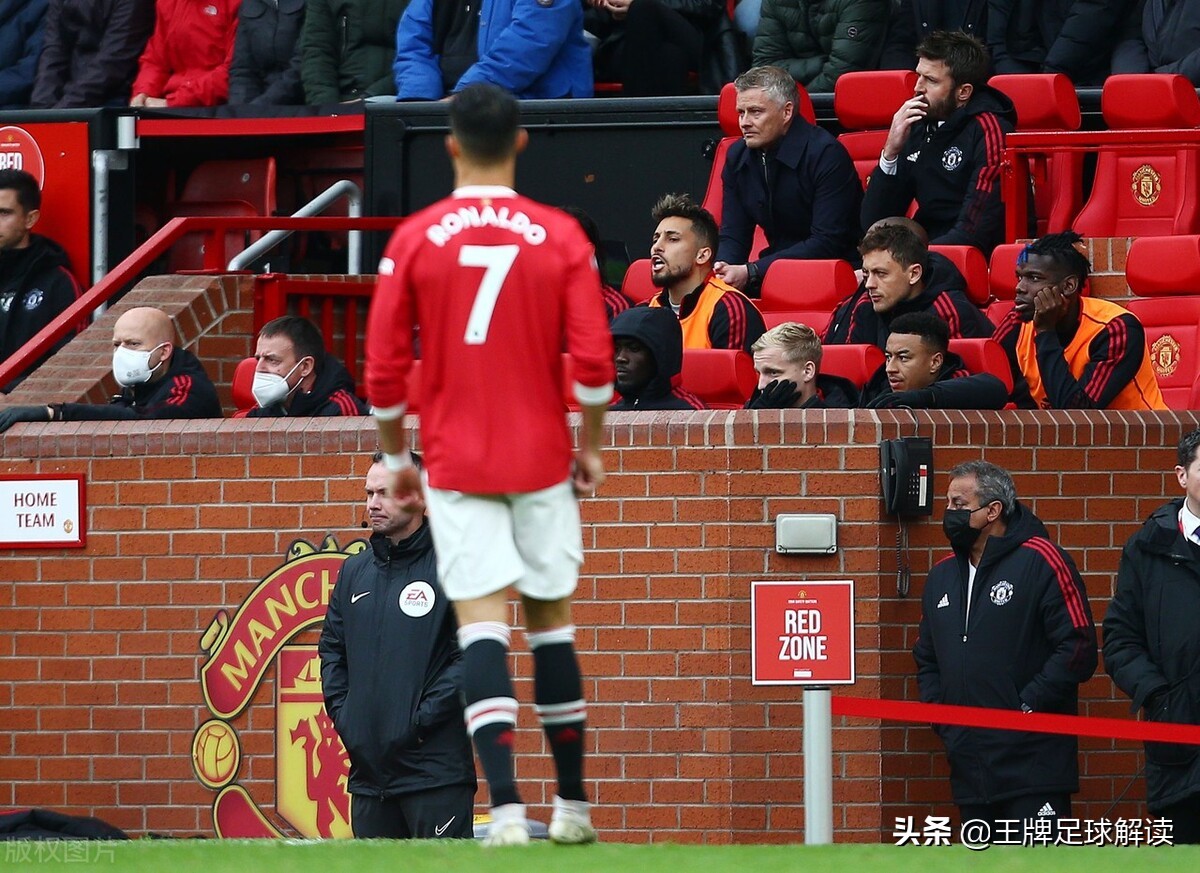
<point x="802" y="633"/>
<point x="42" y="511"/>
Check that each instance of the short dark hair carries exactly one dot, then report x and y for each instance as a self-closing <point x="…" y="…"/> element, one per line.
<point x="964" y="56"/>
<point x="1064" y="249"/>
<point x="29" y="195"/>
<point x="683" y="206"/>
<point x="905" y="247"/>
<point x="305" y="338"/>
<point x="1188" y="445"/>
<point x="590" y="229"/>
<point x="932" y="330"/>
<point x="485" y="120"/>
<point x="417" y="460"/>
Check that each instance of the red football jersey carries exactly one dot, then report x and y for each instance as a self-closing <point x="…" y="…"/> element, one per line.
<point x="496" y="283"/>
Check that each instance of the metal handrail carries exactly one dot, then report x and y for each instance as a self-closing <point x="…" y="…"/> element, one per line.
<point x="214" y="227"/>
<point x="342" y="188"/>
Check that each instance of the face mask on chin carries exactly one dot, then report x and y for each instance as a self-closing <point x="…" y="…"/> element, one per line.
<point x="270" y="389"/>
<point x="956" y="525"/>
<point x="131" y="367"/>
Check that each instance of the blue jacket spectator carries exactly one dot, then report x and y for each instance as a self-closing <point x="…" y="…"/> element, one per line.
<point x="22" y="26"/>
<point x="91" y="52"/>
<point x="531" y="48"/>
<point x="266" y="54"/>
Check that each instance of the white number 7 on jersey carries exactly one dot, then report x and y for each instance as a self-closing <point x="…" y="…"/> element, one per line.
<point x="496" y="261"/>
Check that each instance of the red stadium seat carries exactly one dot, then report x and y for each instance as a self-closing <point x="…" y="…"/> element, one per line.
<point x="721" y="378"/>
<point x="637" y="285"/>
<point x="1164" y="273"/>
<point x="818" y="321"/>
<point x="236" y="187"/>
<point x="1002" y="272"/>
<point x="727" y="118"/>
<point x="974" y="267"/>
<point x="856" y="362"/>
<point x="1150" y="191"/>
<point x="243" y="387"/>
<point x="984" y="356"/>
<point x="864" y="102"/>
<point x="805" y="291"/>
<point x="1047" y="101"/>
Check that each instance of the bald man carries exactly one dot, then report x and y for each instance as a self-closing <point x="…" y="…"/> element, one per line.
<point x="901" y="275"/>
<point x="157" y="379"/>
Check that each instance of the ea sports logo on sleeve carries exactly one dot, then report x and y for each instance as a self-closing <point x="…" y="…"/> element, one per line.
<point x="417" y="598"/>
<point x="19" y="151"/>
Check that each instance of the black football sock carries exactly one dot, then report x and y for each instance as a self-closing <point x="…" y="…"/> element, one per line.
<point x="491" y="708"/>
<point x="558" y="694"/>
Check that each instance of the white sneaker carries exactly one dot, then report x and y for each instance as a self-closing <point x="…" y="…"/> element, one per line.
<point x="509" y="826"/>
<point x="571" y="823"/>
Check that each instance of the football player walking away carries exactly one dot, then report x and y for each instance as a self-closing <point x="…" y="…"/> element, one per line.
<point x="495" y="281"/>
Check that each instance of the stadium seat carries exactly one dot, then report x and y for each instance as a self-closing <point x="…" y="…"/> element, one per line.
<point x="721" y="378"/>
<point x="1047" y="102"/>
<point x="805" y="291"/>
<point x="242" y="387"/>
<point x="856" y="362"/>
<point x="1002" y="280"/>
<point x="728" y="119"/>
<point x="864" y="102"/>
<point x="637" y="285"/>
<point x="974" y="267"/>
<point x="1151" y="191"/>
<point x="984" y="356"/>
<point x="1164" y="273"/>
<point x="223" y="188"/>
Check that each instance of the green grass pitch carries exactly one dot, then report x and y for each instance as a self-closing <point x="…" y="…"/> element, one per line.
<point x="292" y="856"/>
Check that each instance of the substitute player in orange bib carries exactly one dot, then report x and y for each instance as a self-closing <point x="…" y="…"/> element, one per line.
<point x="496" y="283"/>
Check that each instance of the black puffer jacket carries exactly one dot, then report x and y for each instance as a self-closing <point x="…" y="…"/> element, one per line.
<point x="1162" y="36"/>
<point x="953" y="172"/>
<point x="1075" y="37"/>
<point x="657" y="328"/>
<point x="1152" y="646"/>
<point x="347" y="48"/>
<point x="266" y="54"/>
<point x="818" y="40"/>
<point x="391" y="671"/>
<point x="1030" y="639"/>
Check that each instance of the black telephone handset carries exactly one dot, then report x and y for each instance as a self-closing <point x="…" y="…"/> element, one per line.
<point x="906" y="475"/>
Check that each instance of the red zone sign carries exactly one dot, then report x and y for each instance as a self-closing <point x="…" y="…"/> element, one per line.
<point x="802" y="633"/>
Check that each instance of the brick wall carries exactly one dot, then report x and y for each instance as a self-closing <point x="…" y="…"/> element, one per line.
<point x="99" y="657"/>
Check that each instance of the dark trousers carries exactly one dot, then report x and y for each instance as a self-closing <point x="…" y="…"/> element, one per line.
<point x="437" y="813"/>
<point x="1019" y="809"/>
<point x="1185" y="819"/>
<point x="660" y="47"/>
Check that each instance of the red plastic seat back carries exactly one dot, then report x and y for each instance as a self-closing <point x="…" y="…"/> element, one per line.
<point x="984" y="356"/>
<point x="242" y="386"/>
<point x="637" y="285"/>
<point x="864" y="102"/>
<point x="1002" y="272"/>
<point x="1164" y="266"/>
<point x="974" y="267"/>
<point x="1165" y="274"/>
<point x="856" y="362"/>
<point x="721" y="378"/>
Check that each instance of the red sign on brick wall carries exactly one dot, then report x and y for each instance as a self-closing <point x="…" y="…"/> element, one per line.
<point x="802" y="632"/>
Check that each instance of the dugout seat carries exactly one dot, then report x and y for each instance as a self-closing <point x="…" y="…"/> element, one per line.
<point x="974" y="267"/>
<point x="728" y="119"/>
<point x="721" y="378"/>
<point x="855" y="361"/>
<point x="1150" y="191"/>
<point x="1164" y="273"/>
<point x="636" y="284"/>
<point x="1048" y="102"/>
<point x="242" y="387"/>
<point x="1002" y="281"/>
<point x="223" y="188"/>
<point x="864" y="102"/>
<point x="984" y="356"/>
<point x="805" y="291"/>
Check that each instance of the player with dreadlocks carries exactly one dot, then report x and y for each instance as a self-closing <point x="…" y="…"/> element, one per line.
<point x="1069" y="351"/>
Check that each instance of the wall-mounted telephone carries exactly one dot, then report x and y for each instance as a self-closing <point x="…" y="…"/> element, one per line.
<point x="906" y="475"/>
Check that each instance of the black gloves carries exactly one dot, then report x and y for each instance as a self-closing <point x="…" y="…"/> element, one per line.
<point x="17" y="414"/>
<point x="922" y="398"/>
<point x="780" y="394"/>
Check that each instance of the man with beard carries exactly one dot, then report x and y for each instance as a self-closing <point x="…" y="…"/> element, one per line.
<point x="712" y="313"/>
<point x="944" y="148"/>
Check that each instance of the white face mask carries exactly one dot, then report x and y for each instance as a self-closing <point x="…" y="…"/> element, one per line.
<point x="269" y="389"/>
<point x="131" y="367"/>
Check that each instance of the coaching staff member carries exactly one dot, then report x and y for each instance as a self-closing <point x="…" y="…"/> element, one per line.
<point x="391" y="675"/>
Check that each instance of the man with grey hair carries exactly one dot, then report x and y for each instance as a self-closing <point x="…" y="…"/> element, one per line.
<point x="787" y="176"/>
<point x="1005" y="624"/>
<point x="787" y="359"/>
